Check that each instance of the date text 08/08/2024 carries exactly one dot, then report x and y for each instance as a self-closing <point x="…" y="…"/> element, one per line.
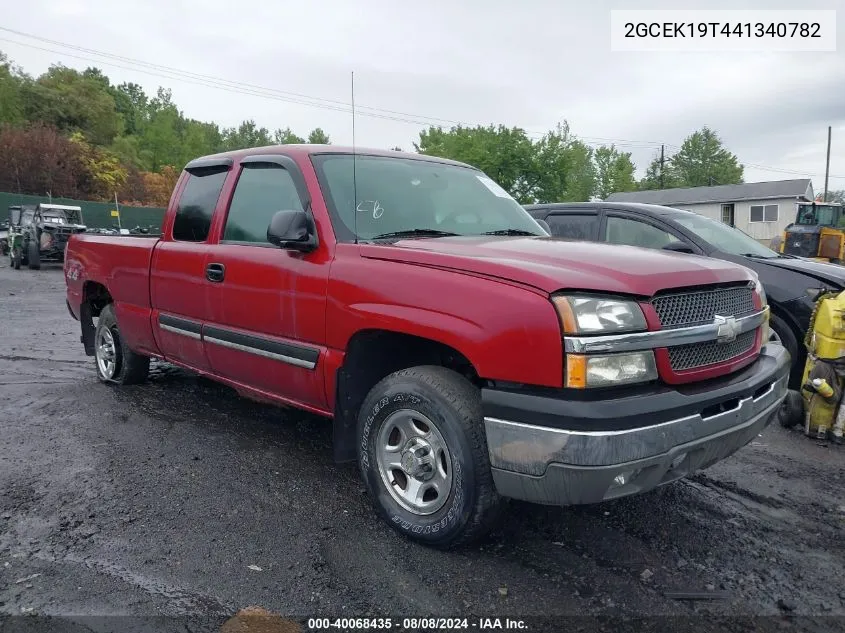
<point x="416" y="624"/>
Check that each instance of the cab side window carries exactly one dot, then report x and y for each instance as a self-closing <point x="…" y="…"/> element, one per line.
<point x="635" y="233"/>
<point x="262" y="190"/>
<point x="574" y="226"/>
<point x="196" y="204"/>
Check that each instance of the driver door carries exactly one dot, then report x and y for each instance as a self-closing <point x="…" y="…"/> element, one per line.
<point x="254" y="336"/>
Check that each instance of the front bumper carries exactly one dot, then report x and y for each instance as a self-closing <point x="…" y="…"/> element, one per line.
<point x="550" y="464"/>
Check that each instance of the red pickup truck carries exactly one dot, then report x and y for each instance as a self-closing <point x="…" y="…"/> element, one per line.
<point x="464" y="355"/>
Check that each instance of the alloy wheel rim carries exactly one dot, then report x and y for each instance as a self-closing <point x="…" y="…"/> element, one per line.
<point x="106" y="353"/>
<point x="414" y="462"/>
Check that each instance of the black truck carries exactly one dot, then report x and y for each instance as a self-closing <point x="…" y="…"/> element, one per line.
<point x="791" y="283"/>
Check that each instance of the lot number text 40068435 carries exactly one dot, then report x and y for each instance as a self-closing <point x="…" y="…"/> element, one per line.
<point x="417" y="624"/>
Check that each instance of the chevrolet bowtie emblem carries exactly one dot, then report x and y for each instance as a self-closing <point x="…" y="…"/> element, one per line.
<point x="727" y="328"/>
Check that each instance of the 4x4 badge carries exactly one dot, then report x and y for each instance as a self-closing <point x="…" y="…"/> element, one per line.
<point x="727" y="330"/>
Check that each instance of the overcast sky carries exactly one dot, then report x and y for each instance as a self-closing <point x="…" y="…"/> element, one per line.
<point x="473" y="61"/>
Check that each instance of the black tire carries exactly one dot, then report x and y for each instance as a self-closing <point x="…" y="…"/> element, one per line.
<point x="33" y="255"/>
<point x="129" y="368"/>
<point x="791" y="411"/>
<point x="16" y="259"/>
<point x="790" y="342"/>
<point x="449" y="401"/>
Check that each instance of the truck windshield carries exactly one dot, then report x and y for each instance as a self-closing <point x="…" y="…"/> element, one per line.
<point x="381" y="196"/>
<point x="726" y="238"/>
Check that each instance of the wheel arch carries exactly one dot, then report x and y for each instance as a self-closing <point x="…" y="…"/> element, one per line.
<point x="95" y="297"/>
<point x="373" y="354"/>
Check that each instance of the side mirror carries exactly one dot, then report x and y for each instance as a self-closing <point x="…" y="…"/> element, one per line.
<point x="290" y="229"/>
<point x="678" y="247"/>
<point x="545" y="226"/>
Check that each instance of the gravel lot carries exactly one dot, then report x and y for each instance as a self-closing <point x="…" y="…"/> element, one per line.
<point x="178" y="498"/>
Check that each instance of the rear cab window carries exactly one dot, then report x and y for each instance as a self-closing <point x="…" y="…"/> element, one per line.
<point x="197" y="202"/>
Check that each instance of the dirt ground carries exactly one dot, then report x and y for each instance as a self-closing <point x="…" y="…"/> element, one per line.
<point x="177" y="498"/>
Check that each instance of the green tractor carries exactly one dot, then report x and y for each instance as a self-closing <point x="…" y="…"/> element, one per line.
<point x="15" y="237"/>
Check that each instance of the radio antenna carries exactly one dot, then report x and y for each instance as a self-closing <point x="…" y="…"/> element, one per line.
<point x="354" y="174"/>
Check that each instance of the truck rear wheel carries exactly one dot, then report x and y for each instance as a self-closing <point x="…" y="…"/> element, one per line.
<point x="422" y="453"/>
<point x="115" y="362"/>
<point x="33" y="255"/>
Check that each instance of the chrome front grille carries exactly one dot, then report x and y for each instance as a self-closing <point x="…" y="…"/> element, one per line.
<point x="684" y="309"/>
<point x="694" y="355"/>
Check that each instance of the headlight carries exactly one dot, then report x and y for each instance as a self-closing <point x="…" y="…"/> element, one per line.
<point x="761" y="294"/>
<point x="605" y="371"/>
<point x="597" y="315"/>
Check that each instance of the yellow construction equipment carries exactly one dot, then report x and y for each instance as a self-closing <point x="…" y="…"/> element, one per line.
<point x="817" y="233"/>
<point x="818" y="404"/>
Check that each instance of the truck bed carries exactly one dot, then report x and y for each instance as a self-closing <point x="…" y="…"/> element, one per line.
<point x="120" y="263"/>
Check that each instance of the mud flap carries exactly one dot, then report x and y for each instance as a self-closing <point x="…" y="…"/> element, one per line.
<point x="87" y="323"/>
<point x="344" y="424"/>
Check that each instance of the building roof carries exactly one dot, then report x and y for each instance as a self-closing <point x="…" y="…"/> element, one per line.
<point x="799" y="188"/>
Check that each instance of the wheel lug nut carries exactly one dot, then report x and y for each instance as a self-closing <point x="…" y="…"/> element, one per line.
<point x="420" y="451"/>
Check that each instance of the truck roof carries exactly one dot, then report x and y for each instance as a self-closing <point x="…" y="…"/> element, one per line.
<point x="307" y="149"/>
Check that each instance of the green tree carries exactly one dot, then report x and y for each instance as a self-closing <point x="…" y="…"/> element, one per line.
<point x="703" y="161"/>
<point x="248" y="134"/>
<point x="659" y="176"/>
<point x="614" y="171"/>
<point x="505" y="154"/>
<point x="199" y="139"/>
<point x="133" y="105"/>
<point x="11" y="87"/>
<point x="160" y="138"/>
<point x="286" y="137"/>
<point x="563" y="169"/>
<point x="318" y="137"/>
<point x="128" y="149"/>
<point x="73" y="101"/>
<point x="555" y="168"/>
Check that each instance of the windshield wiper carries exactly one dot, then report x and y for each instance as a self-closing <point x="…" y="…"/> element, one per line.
<point x="414" y="233"/>
<point x="756" y="256"/>
<point x="510" y="232"/>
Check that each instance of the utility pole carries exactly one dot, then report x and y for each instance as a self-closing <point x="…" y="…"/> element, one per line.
<point x="827" y="165"/>
<point x="660" y="178"/>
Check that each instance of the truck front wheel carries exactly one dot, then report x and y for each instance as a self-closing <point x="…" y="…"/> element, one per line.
<point x="116" y="363"/>
<point x="423" y="456"/>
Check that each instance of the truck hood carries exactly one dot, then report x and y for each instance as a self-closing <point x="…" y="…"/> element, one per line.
<point x="552" y="264"/>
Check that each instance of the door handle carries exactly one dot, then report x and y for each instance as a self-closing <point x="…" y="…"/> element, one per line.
<point x="215" y="272"/>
